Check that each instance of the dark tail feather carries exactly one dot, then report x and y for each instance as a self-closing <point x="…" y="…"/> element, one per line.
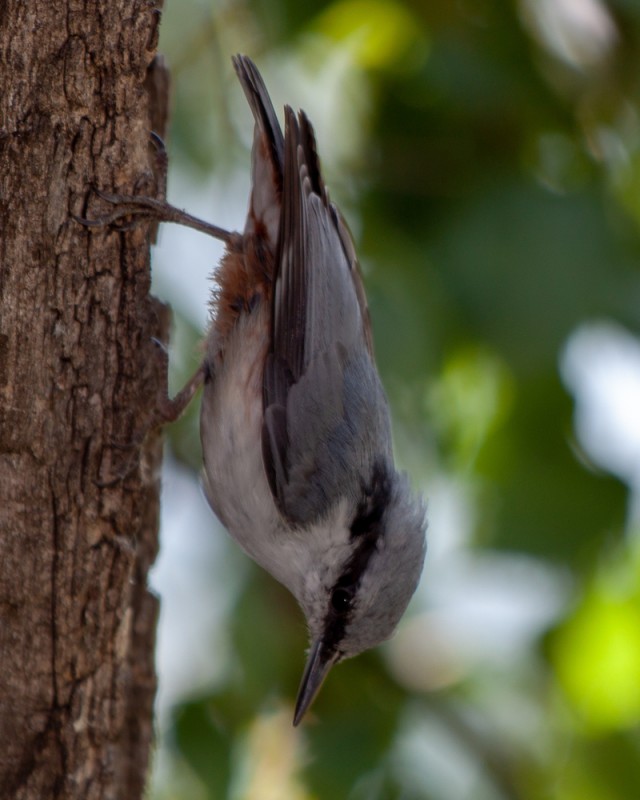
<point x="263" y="112"/>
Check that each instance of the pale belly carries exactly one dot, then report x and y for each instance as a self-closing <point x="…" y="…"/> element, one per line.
<point x="234" y="478"/>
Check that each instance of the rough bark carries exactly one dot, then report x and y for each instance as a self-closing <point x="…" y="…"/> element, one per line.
<point x="78" y="376"/>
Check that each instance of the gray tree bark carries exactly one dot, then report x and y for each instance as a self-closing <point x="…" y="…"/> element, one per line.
<point x="78" y="375"/>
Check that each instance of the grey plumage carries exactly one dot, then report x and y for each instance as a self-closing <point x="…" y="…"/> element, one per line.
<point x="325" y="411"/>
<point x="295" y="423"/>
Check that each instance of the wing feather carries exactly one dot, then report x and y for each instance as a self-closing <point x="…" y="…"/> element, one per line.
<point x="326" y="415"/>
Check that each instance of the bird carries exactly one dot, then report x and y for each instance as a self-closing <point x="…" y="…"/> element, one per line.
<point x="295" y="425"/>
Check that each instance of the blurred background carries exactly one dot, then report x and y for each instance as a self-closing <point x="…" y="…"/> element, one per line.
<point x="486" y="154"/>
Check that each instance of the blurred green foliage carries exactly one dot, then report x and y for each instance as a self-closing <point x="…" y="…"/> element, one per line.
<point x="487" y="156"/>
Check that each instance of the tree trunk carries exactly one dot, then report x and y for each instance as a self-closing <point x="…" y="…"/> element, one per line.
<point x="78" y="376"/>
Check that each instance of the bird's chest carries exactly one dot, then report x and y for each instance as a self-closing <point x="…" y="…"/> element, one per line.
<point x="235" y="481"/>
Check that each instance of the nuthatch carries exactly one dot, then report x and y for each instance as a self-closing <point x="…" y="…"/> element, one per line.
<point x="295" y="428"/>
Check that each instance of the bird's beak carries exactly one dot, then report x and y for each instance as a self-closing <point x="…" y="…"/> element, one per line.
<point x="316" y="670"/>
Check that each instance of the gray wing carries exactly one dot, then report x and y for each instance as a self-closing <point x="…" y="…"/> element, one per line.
<point x="326" y="416"/>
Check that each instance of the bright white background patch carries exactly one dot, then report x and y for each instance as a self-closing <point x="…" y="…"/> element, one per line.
<point x="600" y="366"/>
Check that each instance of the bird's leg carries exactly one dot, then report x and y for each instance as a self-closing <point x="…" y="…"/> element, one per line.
<point x="169" y="409"/>
<point x="144" y="207"/>
<point x="166" y="409"/>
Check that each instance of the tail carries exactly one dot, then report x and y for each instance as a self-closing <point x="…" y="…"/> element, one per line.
<point x="267" y="155"/>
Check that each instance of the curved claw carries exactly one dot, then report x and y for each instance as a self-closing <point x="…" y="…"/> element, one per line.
<point x="160" y="344"/>
<point x="157" y="142"/>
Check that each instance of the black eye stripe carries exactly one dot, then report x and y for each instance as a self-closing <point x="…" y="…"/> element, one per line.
<point x="375" y="499"/>
<point x="366" y="530"/>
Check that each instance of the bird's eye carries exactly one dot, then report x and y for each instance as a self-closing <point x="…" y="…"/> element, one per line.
<point x="341" y="599"/>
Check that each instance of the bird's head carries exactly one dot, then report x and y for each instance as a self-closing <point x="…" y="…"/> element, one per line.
<point x="365" y="584"/>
